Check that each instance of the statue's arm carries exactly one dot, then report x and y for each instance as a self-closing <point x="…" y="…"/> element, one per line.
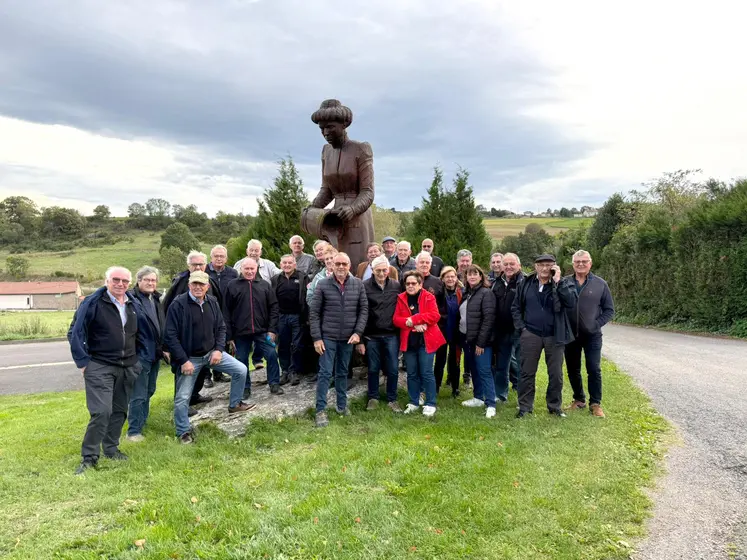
<point x="325" y="195"/>
<point x="365" y="180"/>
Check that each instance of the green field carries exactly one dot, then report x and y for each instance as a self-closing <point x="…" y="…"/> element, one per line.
<point x="92" y="262"/>
<point x="498" y="228"/>
<point x="20" y="325"/>
<point x="371" y="486"/>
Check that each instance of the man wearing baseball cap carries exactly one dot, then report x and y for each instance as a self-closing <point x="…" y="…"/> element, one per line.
<point x="196" y="336"/>
<point x="539" y="312"/>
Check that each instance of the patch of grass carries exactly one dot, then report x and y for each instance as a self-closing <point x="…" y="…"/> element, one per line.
<point x="498" y="228"/>
<point x="92" y="262"/>
<point x="370" y="486"/>
<point x="21" y="325"/>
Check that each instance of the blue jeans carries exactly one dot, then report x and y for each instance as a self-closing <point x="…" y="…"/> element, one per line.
<point x="244" y="348"/>
<point x="503" y="348"/>
<point x="382" y="354"/>
<point x="185" y="384"/>
<point x="290" y="345"/>
<point x="482" y="373"/>
<point x="142" y="391"/>
<point x="419" y="364"/>
<point x="336" y="358"/>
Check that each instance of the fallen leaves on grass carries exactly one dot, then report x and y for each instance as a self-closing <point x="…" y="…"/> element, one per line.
<point x="194" y="499"/>
<point x="140" y="543"/>
<point x="357" y="519"/>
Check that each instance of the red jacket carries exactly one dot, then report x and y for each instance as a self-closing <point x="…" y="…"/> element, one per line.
<point x="428" y="315"/>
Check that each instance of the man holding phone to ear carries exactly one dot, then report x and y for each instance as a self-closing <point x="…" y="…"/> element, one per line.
<point x="539" y="313"/>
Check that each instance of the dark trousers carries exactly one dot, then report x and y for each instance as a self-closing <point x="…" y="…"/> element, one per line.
<point x="290" y="339"/>
<point x="108" y="390"/>
<point x="531" y="350"/>
<point x="515" y="368"/>
<point x="382" y="354"/>
<point x="591" y="344"/>
<point x="448" y="356"/>
<point x="503" y="353"/>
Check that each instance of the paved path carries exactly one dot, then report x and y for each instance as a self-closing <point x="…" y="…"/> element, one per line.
<point x="699" y="384"/>
<point x="37" y="367"/>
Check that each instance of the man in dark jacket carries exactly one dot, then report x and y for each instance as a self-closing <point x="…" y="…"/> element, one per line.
<point x="290" y="290"/>
<point x="402" y="260"/>
<point x="219" y="273"/>
<point x="151" y="326"/>
<point x="338" y="317"/>
<point x="104" y="342"/>
<point x="252" y="321"/>
<point x="594" y="309"/>
<point x="196" y="336"/>
<point x="196" y="261"/>
<point x="539" y="312"/>
<point x="381" y="336"/>
<point x="437" y="264"/>
<point x="506" y="336"/>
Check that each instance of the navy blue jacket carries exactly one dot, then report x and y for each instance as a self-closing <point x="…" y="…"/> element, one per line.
<point x="178" y="335"/>
<point x="77" y="334"/>
<point x="563" y="298"/>
<point x="594" y="307"/>
<point x="151" y="349"/>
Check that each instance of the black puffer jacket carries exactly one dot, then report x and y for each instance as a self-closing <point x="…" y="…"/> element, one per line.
<point x="480" y="316"/>
<point x="336" y="314"/>
<point x="504" y="298"/>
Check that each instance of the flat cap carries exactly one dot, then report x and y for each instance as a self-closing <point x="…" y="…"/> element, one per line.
<point x="388" y="238"/>
<point x="199" y="277"/>
<point x="547" y="257"/>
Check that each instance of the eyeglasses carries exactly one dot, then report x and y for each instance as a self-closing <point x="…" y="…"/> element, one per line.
<point x="381" y="271"/>
<point x="197" y="264"/>
<point x="411" y="283"/>
<point x="342" y="264"/>
<point x="581" y="262"/>
<point x="123" y="281"/>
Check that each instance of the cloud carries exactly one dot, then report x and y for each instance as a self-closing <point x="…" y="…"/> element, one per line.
<point x="558" y="103"/>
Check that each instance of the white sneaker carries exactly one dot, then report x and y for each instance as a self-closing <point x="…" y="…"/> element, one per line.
<point x="421" y="400"/>
<point x="429" y="410"/>
<point x="474" y="403"/>
<point x="410" y="408"/>
<point x="490" y="413"/>
<point x="136" y="438"/>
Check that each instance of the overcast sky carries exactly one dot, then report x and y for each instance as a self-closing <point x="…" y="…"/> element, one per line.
<point x="546" y="103"/>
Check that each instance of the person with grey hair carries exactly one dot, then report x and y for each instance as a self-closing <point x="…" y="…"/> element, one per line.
<point x="506" y="339"/>
<point x="105" y="341"/>
<point x="496" y="267"/>
<point x="151" y="351"/>
<point x="437" y="264"/>
<point x="196" y="262"/>
<point x="317" y="264"/>
<point x="303" y="260"/>
<point x="464" y="259"/>
<point x="594" y="308"/>
<point x="267" y="268"/>
<point x="402" y="260"/>
<point x="217" y="269"/>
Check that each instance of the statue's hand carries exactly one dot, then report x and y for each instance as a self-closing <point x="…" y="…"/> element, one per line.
<point x="346" y="213"/>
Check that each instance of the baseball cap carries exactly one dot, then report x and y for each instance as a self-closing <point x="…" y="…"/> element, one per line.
<point x="388" y="238"/>
<point x="199" y="277"/>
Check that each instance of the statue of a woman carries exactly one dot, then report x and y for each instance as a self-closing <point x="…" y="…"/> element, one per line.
<point x="347" y="178"/>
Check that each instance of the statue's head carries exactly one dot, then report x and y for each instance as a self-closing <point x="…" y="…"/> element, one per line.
<point x="333" y="118"/>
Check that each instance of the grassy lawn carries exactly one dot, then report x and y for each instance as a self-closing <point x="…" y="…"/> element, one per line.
<point x="498" y="228"/>
<point x="20" y="325"/>
<point x="370" y="486"/>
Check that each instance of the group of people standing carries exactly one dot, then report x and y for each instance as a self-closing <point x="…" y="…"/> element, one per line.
<point x="311" y="315"/>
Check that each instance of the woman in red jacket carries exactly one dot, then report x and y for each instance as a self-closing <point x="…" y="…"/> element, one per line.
<point x="417" y="316"/>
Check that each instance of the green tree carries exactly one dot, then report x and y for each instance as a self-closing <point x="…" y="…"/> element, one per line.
<point x="192" y="217"/>
<point x="136" y="210"/>
<point x="22" y="211"/>
<point x="529" y="244"/>
<point x="178" y="235"/>
<point x="565" y="213"/>
<point x="278" y="217"/>
<point x="172" y="261"/>
<point x="386" y="222"/>
<point x="101" y="213"/>
<point x="61" y="222"/>
<point x="158" y="212"/>
<point x="611" y="216"/>
<point x="17" y="266"/>
<point x="451" y="218"/>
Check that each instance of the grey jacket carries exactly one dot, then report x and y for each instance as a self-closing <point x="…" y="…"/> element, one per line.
<point x="594" y="307"/>
<point x="336" y="314"/>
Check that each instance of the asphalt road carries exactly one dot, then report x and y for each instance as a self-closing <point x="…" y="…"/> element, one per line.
<point x="37" y="367"/>
<point x="699" y="384"/>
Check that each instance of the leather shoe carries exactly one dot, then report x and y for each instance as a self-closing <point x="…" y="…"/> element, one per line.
<point x="117" y="456"/>
<point x="523" y="413"/>
<point x="557" y="412"/>
<point x="312" y="378"/>
<point x="241" y="407"/>
<point x="209" y="382"/>
<point x="295" y="379"/>
<point x="201" y="399"/>
<point x="220" y="377"/>
<point x="192" y="411"/>
<point x="276" y="390"/>
<point x="285" y="378"/>
<point x="85" y="464"/>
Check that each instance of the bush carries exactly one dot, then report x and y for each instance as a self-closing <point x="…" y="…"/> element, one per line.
<point x="17" y="266"/>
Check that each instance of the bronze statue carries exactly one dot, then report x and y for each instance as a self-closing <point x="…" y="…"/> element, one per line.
<point x="348" y="179"/>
